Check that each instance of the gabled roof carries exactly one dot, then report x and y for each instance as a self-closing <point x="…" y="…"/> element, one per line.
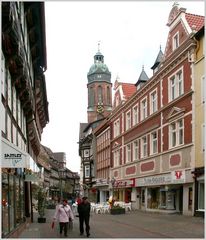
<point x="195" y="22"/>
<point x="158" y="59"/>
<point x="128" y="89"/>
<point x="142" y="78"/>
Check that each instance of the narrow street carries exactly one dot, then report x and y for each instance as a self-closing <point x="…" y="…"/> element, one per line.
<point x="135" y="224"/>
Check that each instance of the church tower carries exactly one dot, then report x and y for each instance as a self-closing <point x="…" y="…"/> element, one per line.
<point x="99" y="89"/>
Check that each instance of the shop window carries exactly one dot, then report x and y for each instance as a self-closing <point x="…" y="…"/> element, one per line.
<point x="201" y="194"/>
<point x="153" y="198"/>
<point x="5" y="204"/>
<point x="18" y="202"/>
<point x="11" y="202"/>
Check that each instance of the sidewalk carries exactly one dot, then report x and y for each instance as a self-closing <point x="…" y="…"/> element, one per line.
<point x="134" y="224"/>
<point x="44" y="230"/>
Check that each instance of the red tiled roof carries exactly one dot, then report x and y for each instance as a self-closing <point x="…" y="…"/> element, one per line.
<point x="195" y="20"/>
<point x="128" y="89"/>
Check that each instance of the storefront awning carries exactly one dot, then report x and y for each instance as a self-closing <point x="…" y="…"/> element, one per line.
<point x="12" y="156"/>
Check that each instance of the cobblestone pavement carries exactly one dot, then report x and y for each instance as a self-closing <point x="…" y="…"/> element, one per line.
<point x="134" y="224"/>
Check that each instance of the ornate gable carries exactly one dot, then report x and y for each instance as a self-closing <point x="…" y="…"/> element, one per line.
<point x="175" y="112"/>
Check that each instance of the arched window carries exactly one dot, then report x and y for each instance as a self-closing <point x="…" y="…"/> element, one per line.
<point x="100" y="100"/>
<point x="91" y="96"/>
<point x="108" y="96"/>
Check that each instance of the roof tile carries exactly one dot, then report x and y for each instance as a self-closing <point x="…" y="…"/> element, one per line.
<point x="195" y="20"/>
<point x="128" y="89"/>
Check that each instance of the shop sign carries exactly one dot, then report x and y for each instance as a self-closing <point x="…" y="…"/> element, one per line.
<point x="101" y="181"/>
<point x="125" y="183"/>
<point x="155" y="180"/>
<point x="12" y="156"/>
<point x="178" y="176"/>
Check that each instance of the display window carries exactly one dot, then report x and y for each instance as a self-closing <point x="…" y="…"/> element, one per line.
<point x="153" y="196"/>
<point x="11" y="202"/>
<point x="201" y="195"/>
<point x="5" y="204"/>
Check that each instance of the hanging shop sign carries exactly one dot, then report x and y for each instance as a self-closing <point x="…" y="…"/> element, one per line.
<point x="12" y="156"/>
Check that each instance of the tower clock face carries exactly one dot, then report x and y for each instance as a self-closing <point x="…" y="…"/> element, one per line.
<point x="100" y="109"/>
<point x="86" y="153"/>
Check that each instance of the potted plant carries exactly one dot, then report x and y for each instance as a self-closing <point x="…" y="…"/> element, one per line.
<point x="41" y="206"/>
<point x="117" y="210"/>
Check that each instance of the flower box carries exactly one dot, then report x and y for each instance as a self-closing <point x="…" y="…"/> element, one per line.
<point x="115" y="211"/>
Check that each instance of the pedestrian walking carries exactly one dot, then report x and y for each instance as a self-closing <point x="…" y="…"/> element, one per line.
<point x="84" y="215"/>
<point x="63" y="214"/>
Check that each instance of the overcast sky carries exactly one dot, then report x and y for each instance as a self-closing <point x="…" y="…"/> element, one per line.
<point x="130" y="32"/>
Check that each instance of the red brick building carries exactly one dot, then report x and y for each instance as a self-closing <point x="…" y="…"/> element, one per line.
<point x="152" y="149"/>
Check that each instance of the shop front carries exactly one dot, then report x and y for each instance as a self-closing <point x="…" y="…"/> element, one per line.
<point x="13" y="162"/>
<point x="171" y="192"/>
<point x="19" y="172"/>
<point x="102" y="188"/>
<point x="123" y="189"/>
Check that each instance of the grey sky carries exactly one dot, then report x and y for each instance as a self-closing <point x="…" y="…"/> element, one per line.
<point x="130" y="32"/>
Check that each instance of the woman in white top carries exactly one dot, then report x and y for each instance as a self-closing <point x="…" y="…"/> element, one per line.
<point x="63" y="214"/>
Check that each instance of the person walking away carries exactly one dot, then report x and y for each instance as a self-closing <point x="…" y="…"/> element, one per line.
<point x="84" y="215"/>
<point x="63" y="214"/>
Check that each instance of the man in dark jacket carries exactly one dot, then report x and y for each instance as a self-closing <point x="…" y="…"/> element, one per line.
<point x="84" y="215"/>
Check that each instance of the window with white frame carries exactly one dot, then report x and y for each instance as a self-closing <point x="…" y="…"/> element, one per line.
<point x="87" y="171"/>
<point x="8" y="128"/>
<point x="136" y="150"/>
<point x="128" y="153"/>
<point x="153" y="146"/>
<point x="3" y="75"/>
<point x="128" y="120"/>
<point x="14" y="102"/>
<point x="9" y="89"/>
<point x="176" y="85"/>
<point x="92" y="170"/>
<point x="116" y="128"/>
<point x="144" y="146"/>
<point x="153" y="102"/>
<point x="176" y="133"/>
<point x="116" y="155"/>
<point x="176" y="41"/>
<point x="135" y="115"/>
<point x="143" y="108"/>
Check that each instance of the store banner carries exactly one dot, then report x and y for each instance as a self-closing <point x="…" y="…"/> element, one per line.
<point x="12" y="156"/>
